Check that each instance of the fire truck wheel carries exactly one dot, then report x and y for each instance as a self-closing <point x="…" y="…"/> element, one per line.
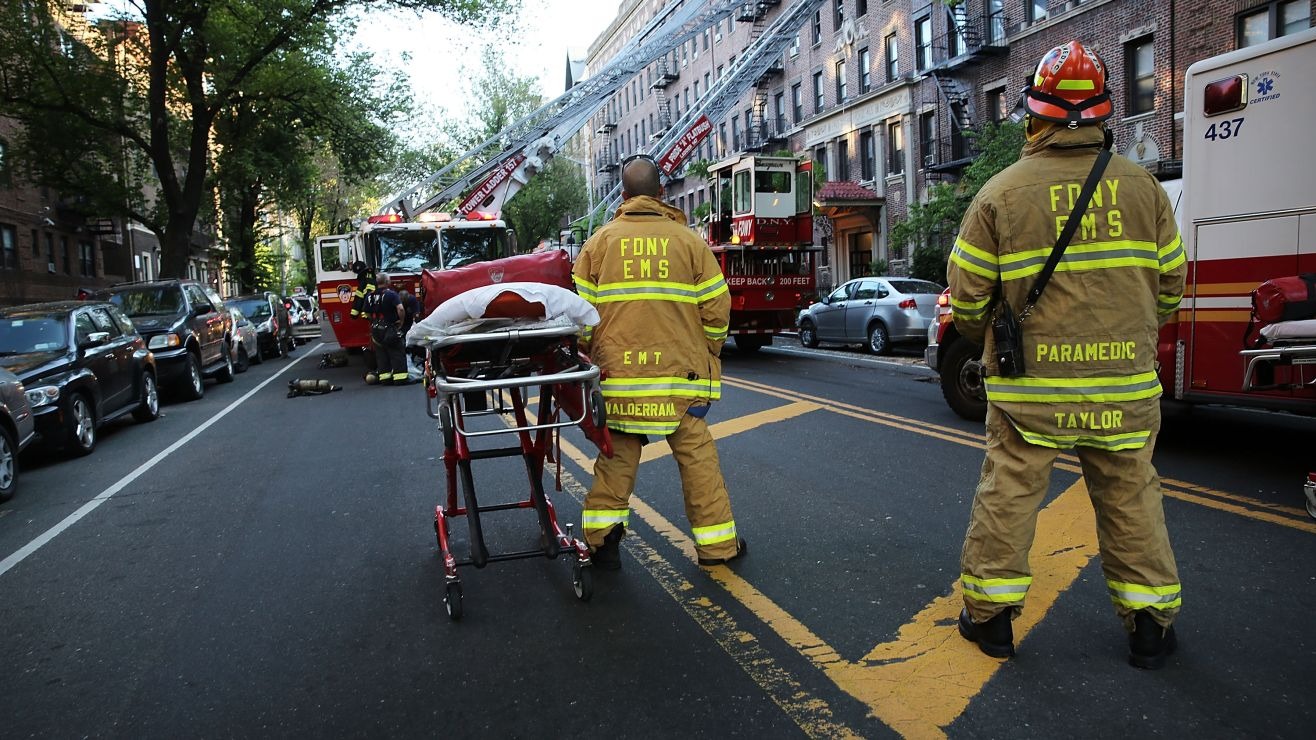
<point x="750" y="343"/>
<point x="808" y="335"/>
<point x="961" y="380"/>
<point x="879" y="340"/>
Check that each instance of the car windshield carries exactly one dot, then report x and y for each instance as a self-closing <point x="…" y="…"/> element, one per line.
<point x="464" y="246"/>
<point x="255" y="309"/>
<point x="911" y="287"/>
<point x="407" y="250"/>
<point x="41" y="334"/>
<point x="147" y="301"/>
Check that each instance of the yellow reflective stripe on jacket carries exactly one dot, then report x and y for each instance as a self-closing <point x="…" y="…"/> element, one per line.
<point x="1074" y="390"/>
<point x="586" y="289"/>
<point x="714" y="533"/>
<point x="974" y="260"/>
<point x="995" y="590"/>
<point x="662" y="428"/>
<point x="1079" y="257"/>
<point x="716" y="332"/>
<point x="711" y="288"/>
<point x="1135" y="596"/>
<point x="1109" y="442"/>
<point x="604" y="518"/>
<point x="1166" y="304"/>
<point x="669" y="386"/>
<point x="651" y="290"/>
<point x="1172" y="255"/>
<point x="587" y="333"/>
<point x="969" y="310"/>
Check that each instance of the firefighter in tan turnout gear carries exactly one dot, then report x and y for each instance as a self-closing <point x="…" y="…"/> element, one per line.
<point x="663" y="316"/>
<point x="1089" y="347"/>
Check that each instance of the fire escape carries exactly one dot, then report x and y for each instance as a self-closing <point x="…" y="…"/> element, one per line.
<point x="666" y="73"/>
<point x="757" y="133"/>
<point x="968" y="41"/>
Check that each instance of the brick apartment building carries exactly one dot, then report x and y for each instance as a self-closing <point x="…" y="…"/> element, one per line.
<point x="881" y="93"/>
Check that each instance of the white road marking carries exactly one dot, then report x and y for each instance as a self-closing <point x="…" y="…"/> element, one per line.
<point x="21" y="554"/>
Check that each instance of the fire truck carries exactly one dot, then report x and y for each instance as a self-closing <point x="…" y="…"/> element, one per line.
<point x="402" y="248"/>
<point x="761" y="231"/>
<point x="1247" y="215"/>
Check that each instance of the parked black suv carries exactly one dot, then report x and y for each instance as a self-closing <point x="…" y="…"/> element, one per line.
<point x="185" y="326"/>
<point x="82" y="364"/>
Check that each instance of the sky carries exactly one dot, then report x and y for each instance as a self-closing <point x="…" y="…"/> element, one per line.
<point x="441" y="53"/>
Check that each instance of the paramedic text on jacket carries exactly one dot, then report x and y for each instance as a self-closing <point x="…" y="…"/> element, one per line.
<point x="1090" y="382"/>
<point x="663" y="316"/>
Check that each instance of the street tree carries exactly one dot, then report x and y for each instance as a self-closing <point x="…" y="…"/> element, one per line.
<point x="123" y="115"/>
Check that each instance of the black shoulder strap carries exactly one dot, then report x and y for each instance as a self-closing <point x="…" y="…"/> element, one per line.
<point x="1067" y="233"/>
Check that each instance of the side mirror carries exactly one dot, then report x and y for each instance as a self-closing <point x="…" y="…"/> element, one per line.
<point x="201" y="309"/>
<point x="95" y="339"/>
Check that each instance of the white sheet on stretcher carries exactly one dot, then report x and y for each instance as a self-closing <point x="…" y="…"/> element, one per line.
<point x="464" y="313"/>
<point x="1287" y="331"/>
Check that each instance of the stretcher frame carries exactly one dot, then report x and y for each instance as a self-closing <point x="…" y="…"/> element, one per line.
<point x="463" y="373"/>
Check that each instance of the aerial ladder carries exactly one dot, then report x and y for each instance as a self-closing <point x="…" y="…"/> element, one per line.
<point x="495" y="170"/>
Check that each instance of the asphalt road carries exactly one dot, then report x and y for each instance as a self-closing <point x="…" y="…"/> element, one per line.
<point x="257" y="565"/>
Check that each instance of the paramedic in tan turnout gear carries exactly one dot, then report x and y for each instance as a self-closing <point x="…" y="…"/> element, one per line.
<point x="1089" y="380"/>
<point x="663" y="316"/>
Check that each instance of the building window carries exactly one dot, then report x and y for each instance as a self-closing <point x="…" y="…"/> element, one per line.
<point x="8" y="247"/>
<point x="797" y="103"/>
<point x="794" y="51"/>
<point x="817" y="92"/>
<point x="1141" y="85"/>
<point x="1272" y="21"/>
<point x="996" y="104"/>
<point x="892" y="58"/>
<point x="838" y="14"/>
<point x="817" y="27"/>
<point x="954" y="36"/>
<point x="696" y="89"/>
<point x="842" y="159"/>
<point x="865" y="71"/>
<point x="1036" y="10"/>
<point x="923" y="43"/>
<point x="861" y="8"/>
<point x="4" y="163"/>
<point x="867" y="156"/>
<point x="87" y="261"/>
<point x="840" y="83"/>
<point x="895" y="148"/>
<point x="996" y="22"/>
<point x="68" y="258"/>
<point x="50" y="252"/>
<point x="927" y="125"/>
<point x="820" y="156"/>
<point x="779" y="112"/>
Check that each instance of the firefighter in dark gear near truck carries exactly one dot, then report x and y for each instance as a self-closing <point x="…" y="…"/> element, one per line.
<point x="1089" y="382"/>
<point x="386" y="318"/>
<point x="663" y="316"/>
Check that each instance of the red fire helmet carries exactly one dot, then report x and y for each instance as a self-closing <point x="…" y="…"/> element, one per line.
<point x="1069" y="87"/>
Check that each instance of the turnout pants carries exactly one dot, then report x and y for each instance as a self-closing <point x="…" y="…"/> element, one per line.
<point x="707" y="505"/>
<point x="390" y="358"/>
<point x="1126" y="495"/>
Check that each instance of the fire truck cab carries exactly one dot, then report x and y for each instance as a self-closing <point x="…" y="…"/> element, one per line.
<point x="389" y="244"/>
<point x="761" y="231"/>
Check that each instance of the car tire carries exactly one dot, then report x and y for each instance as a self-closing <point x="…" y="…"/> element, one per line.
<point x="243" y="363"/>
<point x="290" y="346"/>
<point x="225" y="373"/>
<point x="148" y="409"/>
<point x="879" y="340"/>
<point x="808" y="335"/>
<point x="257" y="357"/>
<point x="961" y="380"/>
<point x="8" y="464"/>
<point x="192" y="387"/>
<point x="80" y="426"/>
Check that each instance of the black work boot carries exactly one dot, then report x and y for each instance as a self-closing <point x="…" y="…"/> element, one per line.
<point x="995" y="637"/>
<point x="1149" y="643"/>
<point x="608" y="555"/>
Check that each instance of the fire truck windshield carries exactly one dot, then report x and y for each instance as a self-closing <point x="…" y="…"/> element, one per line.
<point x="464" y="246"/>
<point x="766" y="181"/>
<point x="406" y="250"/>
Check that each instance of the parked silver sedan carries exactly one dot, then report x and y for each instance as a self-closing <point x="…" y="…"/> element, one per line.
<point x="874" y="311"/>
<point x="246" y="347"/>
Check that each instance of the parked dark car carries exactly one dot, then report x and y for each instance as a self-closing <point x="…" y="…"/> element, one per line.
<point x="82" y="364"/>
<point x="17" y="429"/>
<point x="185" y="326"/>
<point x="877" y="311"/>
<point x="273" y="327"/>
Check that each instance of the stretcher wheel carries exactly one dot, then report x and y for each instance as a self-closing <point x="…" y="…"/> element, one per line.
<point x="598" y="412"/>
<point x="452" y="600"/>
<point x="582" y="581"/>
<point x="447" y="427"/>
